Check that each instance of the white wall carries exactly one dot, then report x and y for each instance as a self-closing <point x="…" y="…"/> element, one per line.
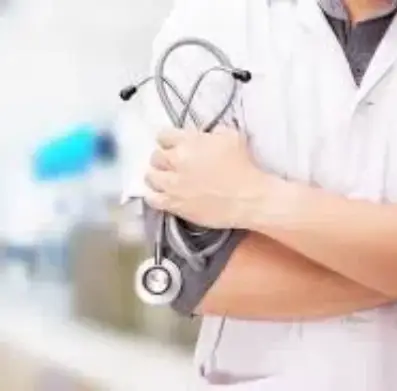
<point x="64" y="61"/>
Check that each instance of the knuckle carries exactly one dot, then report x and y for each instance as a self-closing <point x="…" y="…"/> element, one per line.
<point x="156" y="200"/>
<point x="172" y="183"/>
<point x="174" y="159"/>
<point x="154" y="155"/>
<point x="159" y="203"/>
<point x="181" y="155"/>
<point x="154" y="203"/>
<point x="157" y="159"/>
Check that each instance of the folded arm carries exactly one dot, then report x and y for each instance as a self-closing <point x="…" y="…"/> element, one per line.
<point x="355" y="238"/>
<point x="265" y="280"/>
<point x="254" y="277"/>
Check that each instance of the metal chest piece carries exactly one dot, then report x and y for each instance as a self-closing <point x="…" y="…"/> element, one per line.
<point x="158" y="283"/>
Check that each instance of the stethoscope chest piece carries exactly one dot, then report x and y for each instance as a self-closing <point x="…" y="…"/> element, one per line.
<point x="158" y="284"/>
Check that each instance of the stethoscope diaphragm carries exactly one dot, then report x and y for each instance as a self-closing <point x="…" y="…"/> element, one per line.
<point x="158" y="284"/>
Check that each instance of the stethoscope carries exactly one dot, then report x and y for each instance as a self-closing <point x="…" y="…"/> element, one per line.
<point x="158" y="280"/>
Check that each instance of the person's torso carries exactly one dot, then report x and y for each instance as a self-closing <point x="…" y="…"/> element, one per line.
<point x="309" y="121"/>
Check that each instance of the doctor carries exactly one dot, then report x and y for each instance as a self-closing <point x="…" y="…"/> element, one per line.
<point x="302" y="297"/>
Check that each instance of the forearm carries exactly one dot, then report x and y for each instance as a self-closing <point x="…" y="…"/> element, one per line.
<point x="354" y="238"/>
<point x="265" y="280"/>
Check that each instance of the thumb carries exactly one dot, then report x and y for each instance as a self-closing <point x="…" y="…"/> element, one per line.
<point x="232" y="131"/>
<point x="222" y="129"/>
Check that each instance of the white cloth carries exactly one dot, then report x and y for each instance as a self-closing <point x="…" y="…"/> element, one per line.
<point x="309" y="121"/>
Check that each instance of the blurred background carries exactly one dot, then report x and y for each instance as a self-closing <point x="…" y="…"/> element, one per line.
<point x="69" y="319"/>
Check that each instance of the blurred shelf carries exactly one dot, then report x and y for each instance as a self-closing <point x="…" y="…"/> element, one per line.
<point x="109" y="360"/>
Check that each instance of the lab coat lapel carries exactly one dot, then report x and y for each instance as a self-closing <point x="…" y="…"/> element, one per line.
<point x="312" y="20"/>
<point x="383" y="60"/>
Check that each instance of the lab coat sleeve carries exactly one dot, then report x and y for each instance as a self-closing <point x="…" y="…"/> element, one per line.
<point x="189" y="18"/>
<point x="195" y="284"/>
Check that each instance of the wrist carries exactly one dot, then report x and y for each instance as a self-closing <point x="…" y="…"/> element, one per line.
<point x="274" y="204"/>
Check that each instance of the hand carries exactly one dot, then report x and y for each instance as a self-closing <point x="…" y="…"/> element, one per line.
<point x="206" y="178"/>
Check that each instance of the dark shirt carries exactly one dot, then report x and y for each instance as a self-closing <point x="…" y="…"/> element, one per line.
<point x="361" y="41"/>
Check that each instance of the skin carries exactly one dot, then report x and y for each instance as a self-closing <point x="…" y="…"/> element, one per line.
<point x="360" y="10"/>
<point x="295" y="246"/>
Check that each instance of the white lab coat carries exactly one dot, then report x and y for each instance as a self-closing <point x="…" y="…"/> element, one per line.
<point x="306" y="120"/>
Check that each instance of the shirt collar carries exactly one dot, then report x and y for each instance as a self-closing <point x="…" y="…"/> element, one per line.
<point x="336" y="9"/>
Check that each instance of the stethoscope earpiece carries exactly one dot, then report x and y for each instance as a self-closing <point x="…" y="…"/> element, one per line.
<point x="158" y="284"/>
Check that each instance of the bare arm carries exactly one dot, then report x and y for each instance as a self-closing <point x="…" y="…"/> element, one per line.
<point x="355" y="238"/>
<point x="264" y="280"/>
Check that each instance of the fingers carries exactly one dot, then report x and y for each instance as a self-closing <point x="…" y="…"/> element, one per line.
<point x="160" y="181"/>
<point x="169" y="139"/>
<point x="156" y="200"/>
<point x="223" y="130"/>
<point x="230" y="131"/>
<point x="168" y="160"/>
<point x="161" y="160"/>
